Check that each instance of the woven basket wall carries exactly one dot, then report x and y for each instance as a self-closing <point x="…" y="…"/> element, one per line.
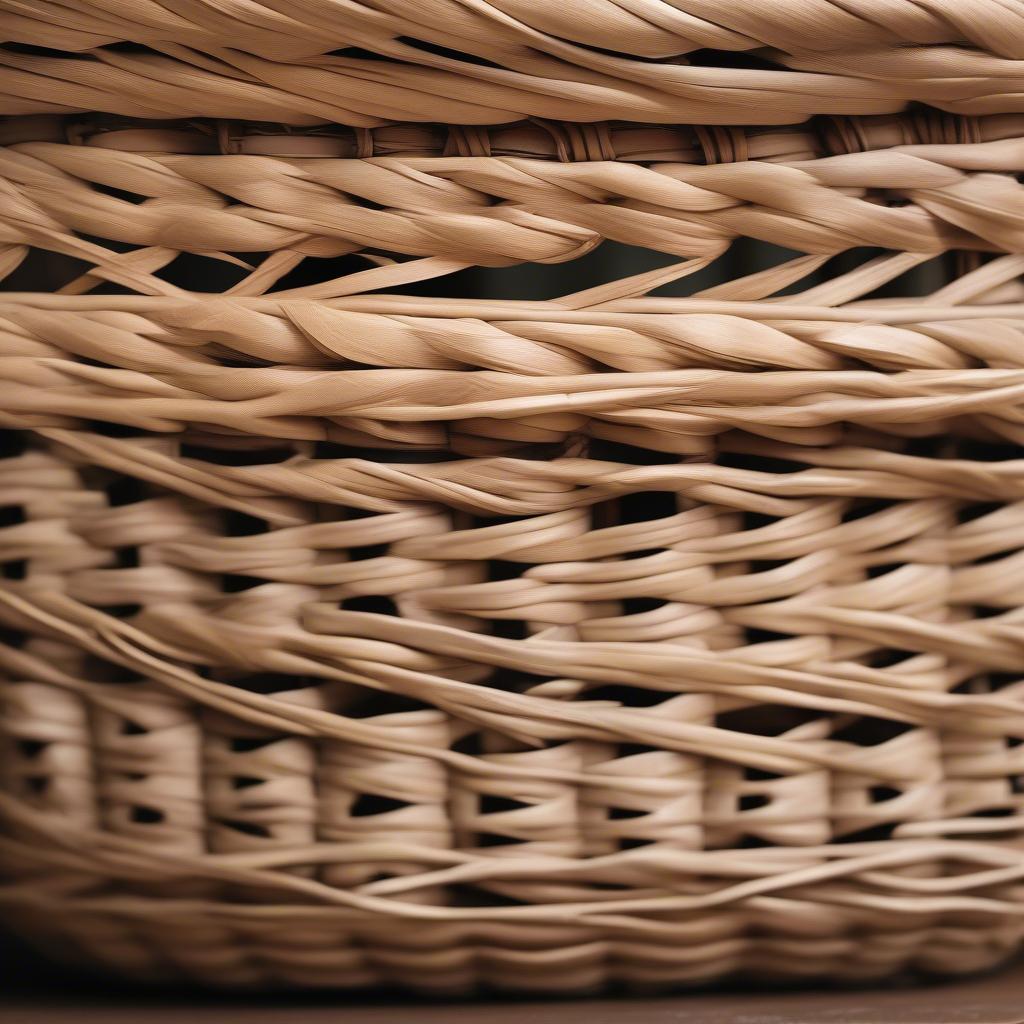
<point x="363" y="624"/>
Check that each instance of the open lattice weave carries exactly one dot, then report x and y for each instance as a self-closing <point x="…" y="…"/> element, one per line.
<point x="360" y="628"/>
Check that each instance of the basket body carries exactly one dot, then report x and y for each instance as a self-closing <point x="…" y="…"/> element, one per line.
<point x="361" y="627"/>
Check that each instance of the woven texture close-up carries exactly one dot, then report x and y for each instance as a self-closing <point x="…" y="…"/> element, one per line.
<point x="512" y="496"/>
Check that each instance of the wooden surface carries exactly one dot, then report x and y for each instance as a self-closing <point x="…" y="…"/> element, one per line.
<point x="998" y="999"/>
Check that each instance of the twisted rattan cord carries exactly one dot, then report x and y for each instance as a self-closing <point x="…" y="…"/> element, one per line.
<point x="651" y="28"/>
<point x="175" y="335"/>
<point x="367" y="92"/>
<point x="934" y="351"/>
<point x="547" y="211"/>
<point x="667" y="410"/>
<point x="135" y="268"/>
<point x="527" y="62"/>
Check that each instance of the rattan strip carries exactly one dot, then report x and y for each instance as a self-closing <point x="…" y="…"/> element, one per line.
<point x="664" y="411"/>
<point x="651" y="28"/>
<point x="493" y="211"/>
<point x="577" y="84"/>
<point x="482" y="63"/>
<point x="669" y="373"/>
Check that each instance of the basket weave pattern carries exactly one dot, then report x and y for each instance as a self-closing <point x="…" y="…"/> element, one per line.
<point x="352" y="633"/>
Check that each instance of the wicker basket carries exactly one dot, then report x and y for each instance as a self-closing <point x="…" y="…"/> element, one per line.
<point x="359" y="633"/>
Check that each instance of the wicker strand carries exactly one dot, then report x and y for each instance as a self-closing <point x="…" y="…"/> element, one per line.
<point x="513" y="59"/>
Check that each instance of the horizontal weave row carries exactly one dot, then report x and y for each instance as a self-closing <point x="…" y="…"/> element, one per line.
<point x="363" y="63"/>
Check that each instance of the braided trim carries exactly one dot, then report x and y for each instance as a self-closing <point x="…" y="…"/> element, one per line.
<point x="528" y="73"/>
<point x="492" y="211"/>
<point x="522" y="58"/>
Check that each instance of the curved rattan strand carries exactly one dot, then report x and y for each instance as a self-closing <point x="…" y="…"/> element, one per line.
<point x="481" y="63"/>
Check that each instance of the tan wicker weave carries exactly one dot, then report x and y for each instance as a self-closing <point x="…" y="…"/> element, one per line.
<point x="356" y="634"/>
